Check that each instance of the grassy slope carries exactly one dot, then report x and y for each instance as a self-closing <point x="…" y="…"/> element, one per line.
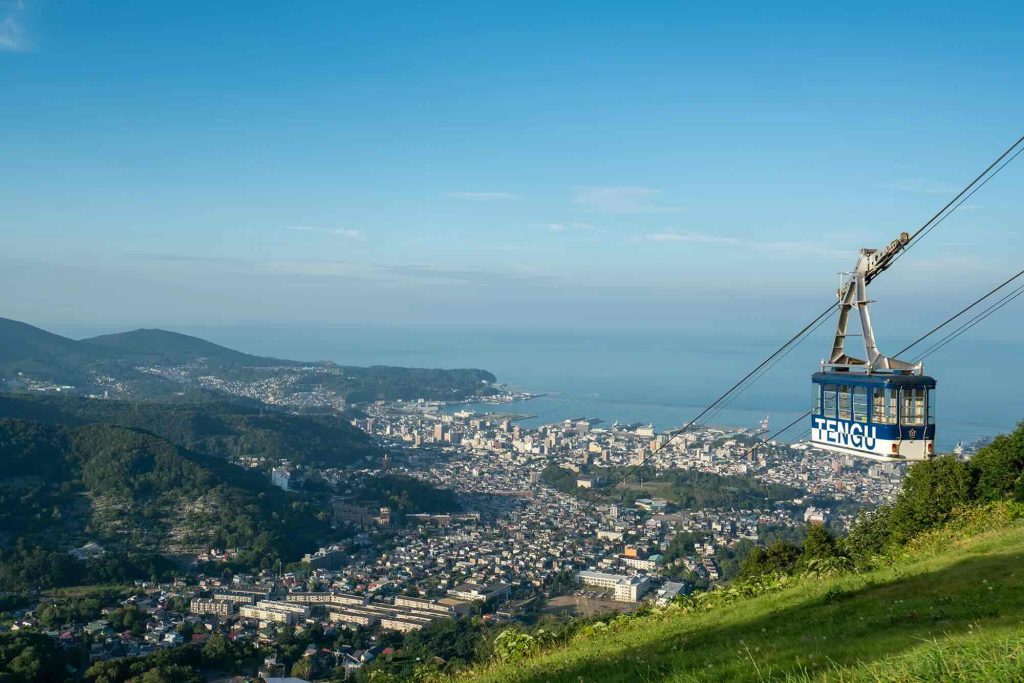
<point x="951" y="609"/>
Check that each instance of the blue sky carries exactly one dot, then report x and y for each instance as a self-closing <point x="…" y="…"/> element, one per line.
<point x="533" y="164"/>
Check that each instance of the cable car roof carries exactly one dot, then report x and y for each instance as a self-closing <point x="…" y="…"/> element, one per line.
<point x="873" y="379"/>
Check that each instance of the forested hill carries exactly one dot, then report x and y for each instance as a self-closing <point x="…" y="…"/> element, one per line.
<point x="173" y="348"/>
<point x="153" y="363"/>
<point x="137" y="495"/>
<point x="216" y="427"/>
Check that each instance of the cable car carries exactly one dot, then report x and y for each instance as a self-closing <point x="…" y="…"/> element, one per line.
<point x="877" y="407"/>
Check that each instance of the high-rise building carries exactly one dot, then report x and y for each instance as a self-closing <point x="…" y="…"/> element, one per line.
<point x="280" y="477"/>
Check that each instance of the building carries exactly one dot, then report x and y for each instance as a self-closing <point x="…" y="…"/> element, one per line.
<point x="275" y="611"/>
<point x="624" y="588"/>
<point x="90" y="550"/>
<point x="474" y="592"/>
<point x="220" y="608"/>
<point x="815" y="516"/>
<point x="354" y="617"/>
<point x="332" y="557"/>
<point x="284" y="606"/>
<point x="312" y="598"/>
<point x="633" y="588"/>
<point x="649" y="564"/>
<point x="266" y="614"/>
<point x="239" y="597"/>
<point x="356" y="515"/>
<point x="404" y="623"/>
<point x="445" y="606"/>
<point x="668" y="592"/>
<point x="280" y="477"/>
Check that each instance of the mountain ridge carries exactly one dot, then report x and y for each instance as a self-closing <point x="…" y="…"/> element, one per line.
<point x="157" y="363"/>
<point x="178" y="348"/>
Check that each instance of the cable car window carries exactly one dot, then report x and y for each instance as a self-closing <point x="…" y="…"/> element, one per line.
<point x="830" y="400"/>
<point x="860" y="404"/>
<point x="880" y="412"/>
<point x="843" y="397"/>
<point x="913" y="406"/>
<point x="931" y="406"/>
<point x="816" y="399"/>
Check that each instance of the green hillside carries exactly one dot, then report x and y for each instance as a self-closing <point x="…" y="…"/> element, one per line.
<point x="140" y="497"/>
<point x="949" y="607"/>
<point x="216" y="427"/>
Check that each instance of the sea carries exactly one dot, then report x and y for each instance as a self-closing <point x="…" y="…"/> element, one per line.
<point x="661" y="378"/>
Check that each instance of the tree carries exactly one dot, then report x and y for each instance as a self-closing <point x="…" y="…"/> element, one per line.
<point x="777" y="558"/>
<point x="217" y="652"/>
<point x="998" y="466"/>
<point x="931" y="491"/>
<point x="818" y="544"/>
<point x="30" y="657"/>
<point x="28" y="665"/>
<point x="303" y="668"/>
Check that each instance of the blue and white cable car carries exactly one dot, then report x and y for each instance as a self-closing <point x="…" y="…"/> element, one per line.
<point x="879" y="407"/>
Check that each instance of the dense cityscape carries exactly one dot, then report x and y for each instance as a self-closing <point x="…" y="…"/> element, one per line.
<point x="536" y="532"/>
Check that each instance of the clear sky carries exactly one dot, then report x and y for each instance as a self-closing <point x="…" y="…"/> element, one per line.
<point x="538" y="164"/>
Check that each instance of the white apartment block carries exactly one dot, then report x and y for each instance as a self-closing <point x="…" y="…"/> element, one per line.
<point x="626" y="588"/>
<point x="220" y="608"/>
<point x="268" y="614"/>
<point x="325" y="599"/>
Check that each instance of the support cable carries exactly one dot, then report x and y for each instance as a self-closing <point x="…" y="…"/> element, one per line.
<point x="980" y="181"/>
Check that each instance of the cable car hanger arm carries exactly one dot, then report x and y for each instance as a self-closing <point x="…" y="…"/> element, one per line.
<point x="853" y="293"/>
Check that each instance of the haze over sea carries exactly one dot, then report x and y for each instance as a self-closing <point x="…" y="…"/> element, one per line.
<point x="665" y="379"/>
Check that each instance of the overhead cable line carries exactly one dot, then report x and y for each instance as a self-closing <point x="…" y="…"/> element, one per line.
<point x="776" y="434"/>
<point x="973" y="321"/>
<point x="957" y="315"/>
<point x="985" y="313"/>
<point x="682" y="430"/>
<point x="980" y="181"/>
<point x="765" y="370"/>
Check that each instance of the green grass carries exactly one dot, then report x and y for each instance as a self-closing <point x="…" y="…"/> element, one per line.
<point x="950" y="609"/>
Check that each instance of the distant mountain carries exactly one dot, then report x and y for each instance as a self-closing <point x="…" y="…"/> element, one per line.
<point x="37" y="351"/>
<point x="173" y="348"/>
<point x="147" y="364"/>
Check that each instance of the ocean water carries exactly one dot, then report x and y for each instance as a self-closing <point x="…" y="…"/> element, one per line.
<point x="661" y="378"/>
